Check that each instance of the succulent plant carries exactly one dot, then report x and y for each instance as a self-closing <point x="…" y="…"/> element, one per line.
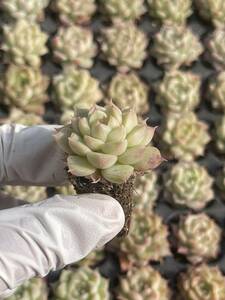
<point x="179" y="92"/>
<point x="127" y="90"/>
<point x="200" y="283"/>
<point x="17" y="116"/>
<point x="110" y="146"/>
<point x="220" y="182"/>
<point x="170" y="12"/>
<point x="216" y="91"/>
<point x="216" y="49"/>
<point x="20" y="9"/>
<point x="146" y="190"/>
<point x="81" y="284"/>
<point x="27" y="193"/>
<point x="123" y="9"/>
<point x="188" y="184"/>
<point x="172" y="48"/>
<point x="147" y="239"/>
<point x="143" y="283"/>
<point x="34" y="289"/>
<point x="220" y="134"/>
<point x="95" y="257"/>
<point x="24" y="43"/>
<point x="65" y="189"/>
<point x="75" y="12"/>
<point x="212" y="10"/>
<point x="74" y="45"/>
<point x="124" y="46"/>
<point x="25" y="88"/>
<point x="198" y="238"/>
<point x="75" y="88"/>
<point x="107" y="142"/>
<point x="185" y="136"/>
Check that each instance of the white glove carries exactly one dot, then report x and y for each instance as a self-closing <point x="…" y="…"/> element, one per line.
<point x="38" y="238"/>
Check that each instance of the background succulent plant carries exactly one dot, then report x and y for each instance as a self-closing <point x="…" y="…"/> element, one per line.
<point x="122" y="10"/>
<point x="75" y="88"/>
<point x="25" y="88"/>
<point x="127" y="90"/>
<point x="171" y="47"/>
<point x="18" y="116"/>
<point x="124" y="46"/>
<point x="34" y="289"/>
<point x="92" y="259"/>
<point x="20" y="9"/>
<point x="24" y="43"/>
<point x="26" y="193"/>
<point x="65" y="189"/>
<point x="179" y="92"/>
<point x="146" y="190"/>
<point x="220" y="134"/>
<point x="216" y="91"/>
<point x="75" y="12"/>
<point x="215" y="44"/>
<point x="188" y="184"/>
<point x="185" y="136"/>
<point x="143" y="283"/>
<point x="198" y="238"/>
<point x="170" y="12"/>
<point x="200" y="283"/>
<point x="81" y="284"/>
<point x="212" y="10"/>
<point x="74" y="45"/>
<point x="147" y="240"/>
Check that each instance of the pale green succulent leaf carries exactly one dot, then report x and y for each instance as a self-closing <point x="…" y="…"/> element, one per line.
<point x="117" y="134"/>
<point x="132" y="155"/>
<point x="151" y="159"/>
<point x="92" y="143"/>
<point x="79" y="166"/>
<point x="117" y="148"/>
<point x="130" y="120"/>
<point x="84" y="126"/>
<point x="118" y="173"/>
<point x="100" y="160"/>
<point x="77" y="146"/>
<point x="100" y="131"/>
<point x="136" y="135"/>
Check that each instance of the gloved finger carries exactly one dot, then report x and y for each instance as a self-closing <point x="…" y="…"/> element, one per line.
<point x="30" y="156"/>
<point x="48" y="235"/>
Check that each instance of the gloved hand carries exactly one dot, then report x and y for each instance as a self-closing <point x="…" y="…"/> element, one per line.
<point x="38" y="238"/>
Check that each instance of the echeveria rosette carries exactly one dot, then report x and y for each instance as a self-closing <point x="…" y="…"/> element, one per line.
<point x="25" y="87"/>
<point x="212" y="10"/>
<point x="200" y="283"/>
<point x="74" y="45"/>
<point x="92" y="259"/>
<point x="198" y="238"/>
<point x="185" y="137"/>
<point x="170" y="12"/>
<point x="146" y="190"/>
<point x="220" y="182"/>
<point x="188" y="184"/>
<point x="216" y="91"/>
<point x="75" y="88"/>
<point x="33" y="289"/>
<point x="220" y="134"/>
<point x="178" y="92"/>
<point x="127" y="90"/>
<point x="108" y="143"/>
<point x="215" y="44"/>
<point x="75" y="12"/>
<point x="171" y="47"/>
<point x="147" y="239"/>
<point x="27" y="193"/>
<point x="123" y="9"/>
<point x="18" y="116"/>
<point x="124" y="46"/>
<point x="81" y="284"/>
<point x="24" y="43"/>
<point x="19" y="9"/>
<point x="143" y="283"/>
